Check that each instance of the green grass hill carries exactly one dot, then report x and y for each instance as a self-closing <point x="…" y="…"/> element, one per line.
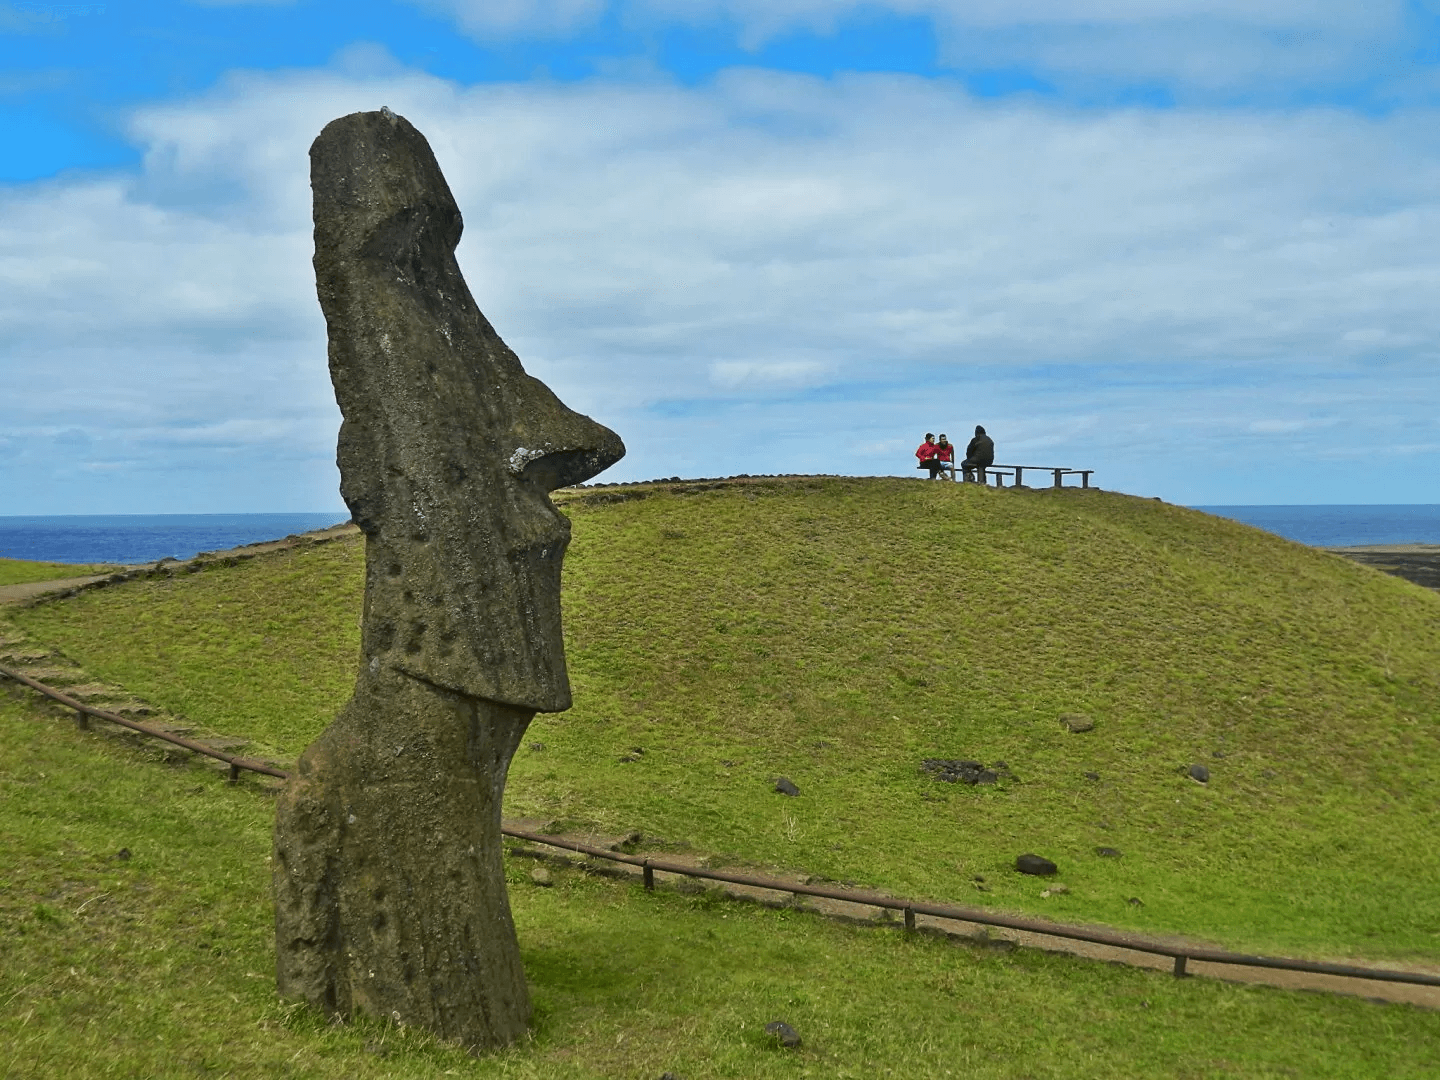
<point x="840" y="631"/>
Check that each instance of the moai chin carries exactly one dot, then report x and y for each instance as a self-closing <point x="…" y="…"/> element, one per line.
<point x="389" y="886"/>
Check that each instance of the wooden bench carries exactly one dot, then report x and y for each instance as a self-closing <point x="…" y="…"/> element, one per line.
<point x="999" y="472"/>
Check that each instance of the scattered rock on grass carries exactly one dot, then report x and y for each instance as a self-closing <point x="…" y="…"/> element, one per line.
<point x="1092" y="776"/>
<point x="540" y="876"/>
<point x="959" y="771"/>
<point x="1108" y="852"/>
<point x="785" y="787"/>
<point x="1199" y="773"/>
<point x="1077" y="722"/>
<point x="1135" y="901"/>
<point x="1055" y="890"/>
<point x="787" y="1035"/>
<point x="1035" y="864"/>
<point x="635" y="753"/>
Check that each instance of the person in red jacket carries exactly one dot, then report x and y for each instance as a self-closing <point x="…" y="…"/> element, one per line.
<point x="945" y="455"/>
<point x="926" y="453"/>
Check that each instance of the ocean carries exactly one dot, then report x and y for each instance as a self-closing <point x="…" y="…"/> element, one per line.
<point x="139" y="538"/>
<point x="1341" y="526"/>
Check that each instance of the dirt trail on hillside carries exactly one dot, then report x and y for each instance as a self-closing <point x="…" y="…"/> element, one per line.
<point x="33" y="590"/>
<point x="29" y="590"/>
<point x="998" y="937"/>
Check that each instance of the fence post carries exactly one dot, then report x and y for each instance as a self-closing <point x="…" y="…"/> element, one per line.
<point x="1180" y="967"/>
<point x="909" y="918"/>
<point x="234" y="773"/>
<point x="82" y="722"/>
<point x="649" y="875"/>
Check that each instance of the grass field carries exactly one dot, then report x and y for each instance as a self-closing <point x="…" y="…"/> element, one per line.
<point x="158" y="963"/>
<point x="838" y="632"/>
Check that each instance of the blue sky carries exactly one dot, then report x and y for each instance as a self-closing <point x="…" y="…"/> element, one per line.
<point x="1192" y="245"/>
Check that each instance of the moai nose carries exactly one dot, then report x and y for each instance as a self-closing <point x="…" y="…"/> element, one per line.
<point x="556" y="446"/>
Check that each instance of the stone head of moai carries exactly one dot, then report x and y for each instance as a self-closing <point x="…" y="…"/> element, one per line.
<point x="448" y="450"/>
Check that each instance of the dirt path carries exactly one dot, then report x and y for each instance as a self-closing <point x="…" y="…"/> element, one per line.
<point x="1002" y="937"/>
<point x="34" y="590"/>
<point x="29" y="590"/>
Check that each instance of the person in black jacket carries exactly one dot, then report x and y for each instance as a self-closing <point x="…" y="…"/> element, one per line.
<point x="979" y="455"/>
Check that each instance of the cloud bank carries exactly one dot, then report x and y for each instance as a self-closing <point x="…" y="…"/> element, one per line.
<point x="770" y="273"/>
<point x="1195" y="49"/>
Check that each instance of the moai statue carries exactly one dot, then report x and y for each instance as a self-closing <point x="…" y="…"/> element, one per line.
<point x="389" y="886"/>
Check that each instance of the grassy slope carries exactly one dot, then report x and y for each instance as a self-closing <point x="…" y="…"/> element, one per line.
<point x="160" y="965"/>
<point x="21" y="571"/>
<point x="837" y="632"/>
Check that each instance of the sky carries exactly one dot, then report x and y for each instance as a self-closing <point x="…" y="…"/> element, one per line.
<point x="1193" y="246"/>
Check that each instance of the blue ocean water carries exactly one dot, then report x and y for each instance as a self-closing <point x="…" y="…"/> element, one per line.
<point x="139" y="538"/>
<point x="1341" y="526"/>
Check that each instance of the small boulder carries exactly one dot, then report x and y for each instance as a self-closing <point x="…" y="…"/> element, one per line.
<point x="1034" y="864"/>
<point x="1092" y="776"/>
<point x="786" y="1035"/>
<point x="1199" y="773"/>
<point x="1076" y="722"/>
<point x="785" y="787"/>
<point x="540" y="876"/>
<point x="1108" y="852"/>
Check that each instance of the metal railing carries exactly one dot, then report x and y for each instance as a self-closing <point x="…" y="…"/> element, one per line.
<point x="1180" y="953"/>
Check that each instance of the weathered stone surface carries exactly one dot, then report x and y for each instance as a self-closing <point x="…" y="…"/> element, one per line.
<point x="389" y="890"/>
<point x="1035" y="864"/>
<point x="786" y="787"/>
<point x="1077" y="722"/>
<point x="1199" y="773"/>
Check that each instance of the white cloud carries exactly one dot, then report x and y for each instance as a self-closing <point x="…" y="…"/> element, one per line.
<point x="722" y="272"/>
<point x="1192" y="48"/>
<point x="748" y="374"/>
<point x="488" y="19"/>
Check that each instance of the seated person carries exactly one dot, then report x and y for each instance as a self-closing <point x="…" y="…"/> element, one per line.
<point x="926" y="454"/>
<point x="979" y="455"/>
<point x="945" y="455"/>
